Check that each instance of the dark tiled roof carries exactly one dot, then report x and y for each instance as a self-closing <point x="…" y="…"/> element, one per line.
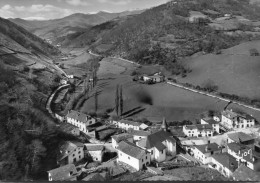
<point x="227" y="161"/>
<point x="122" y="136"/>
<point x="231" y="114"/>
<point x="130" y="122"/>
<point x="79" y="116"/>
<point x="206" y="148"/>
<point x="210" y="121"/>
<point x="204" y="127"/>
<point x="160" y="146"/>
<point x="115" y="171"/>
<point x="63" y="173"/>
<point x="240" y="137"/>
<point x="139" y="133"/>
<point x="157" y="137"/>
<point x="66" y="127"/>
<point x="68" y="147"/>
<point x="131" y="149"/>
<point x="94" y="177"/>
<point x="244" y="173"/>
<point x="191" y="127"/>
<point x="236" y="147"/>
<point x="94" y="147"/>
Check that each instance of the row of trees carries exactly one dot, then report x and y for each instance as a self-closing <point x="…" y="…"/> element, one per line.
<point x="119" y="102"/>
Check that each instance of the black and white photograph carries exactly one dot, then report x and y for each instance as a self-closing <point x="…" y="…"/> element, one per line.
<point x="129" y="90"/>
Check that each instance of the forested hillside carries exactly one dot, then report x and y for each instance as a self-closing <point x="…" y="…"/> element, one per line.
<point x="162" y="35"/>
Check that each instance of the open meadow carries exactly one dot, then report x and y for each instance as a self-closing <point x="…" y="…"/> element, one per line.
<point x="234" y="71"/>
<point x="149" y="101"/>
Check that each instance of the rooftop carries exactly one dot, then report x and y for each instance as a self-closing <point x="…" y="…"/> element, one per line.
<point x="206" y="148"/>
<point x="131" y="149"/>
<point x="94" y="177"/>
<point x="122" y="136"/>
<point x="200" y="127"/>
<point x="236" y="147"/>
<point x="210" y="121"/>
<point x="94" y="147"/>
<point x="130" y="122"/>
<point x="63" y="173"/>
<point x="240" y="137"/>
<point x="79" y="116"/>
<point x="232" y="114"/>
<point x="155" y="138"/>
<point x="139" y="133"/>
<point x="244" y="173"/>
<point x="66" y="127"/>
<point x="227" y="161"/>
<point x="67" y="147"/>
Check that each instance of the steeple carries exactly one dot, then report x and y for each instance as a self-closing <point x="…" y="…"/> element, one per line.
<point x="164" y="125"/>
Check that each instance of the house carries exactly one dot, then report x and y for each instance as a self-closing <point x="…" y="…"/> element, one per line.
<point x="201" y="130"/>
<point x="212" y="122"/>
<point x="138" y="134"/>
<point x="144" y="126"/>
<point x="94" y="177"/>
<point x="242" y="153"/>
<point x="244" y="173"/>
<point x="240" y="137"/>
<point x="64" y="82"/>
<point x="197" y="17"/>
<point x="204" y="152"/>
<point x="147" y="78"/>
<point x="224" y="163"/>
<point x="70" y="152"/>
<point x="157" y="78"/>
<point x="231" y="119"/>
<point x="69" y="129"/>
<point x="133" y="156"/>
<point x="116" y="139"/>
<point x="80" y="120"/>
<point x="158" y="144"/>
<point x="95" y="151"/>
<point x="64" y="173"/>
<point x="126" y="124"/>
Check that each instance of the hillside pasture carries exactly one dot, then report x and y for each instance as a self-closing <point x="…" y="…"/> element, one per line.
<point x="234" y="71"/>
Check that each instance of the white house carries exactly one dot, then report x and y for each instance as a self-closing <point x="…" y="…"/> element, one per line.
<point x="133" y="156"/>
<point x="158" y="144"/>
<point x="224" y="163"/>
<point x="231" y="119"/>
<point x="212" y="122"/>
<point x="80" y="120"/>
<point x="126" y="124"/>
<point x="240" y="137"/>
<point x="204" y="152"/>
<point x="70" y="152"/>
<point x="242" y="153"/>
<point x="201" y="130"/>
<point x="95" y="151"/>
<point x="196" y="16"/>
<point x="64" y="173"/>
<point x="138" y="134"/>
<point x="116" y="139"/>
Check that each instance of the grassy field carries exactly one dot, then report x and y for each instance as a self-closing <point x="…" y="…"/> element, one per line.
<point x="234" y="71"/>
<point x="151" y="101"/>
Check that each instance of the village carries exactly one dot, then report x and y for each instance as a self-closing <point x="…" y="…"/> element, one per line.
<point x="227" y="142"/>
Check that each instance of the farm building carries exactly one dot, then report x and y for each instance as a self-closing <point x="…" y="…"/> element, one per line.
<point x="64" y="173"/>
<point x="212" y="122"/>
<point x="69" y="129"/>
<point x="126" y="124"/>
<point x="242" y="153"/>
<point x="80" y="120"/>
<point x="116" y="139"/>
<point x="158" y="144"/>
<point x="95" y="151"/>
<point x="204" y="152"/>
<point x="138" y="134"/>
<point x="70" y="152"/>
<point x="203" y="130"/>
<point x="231" y="119"/>
<point x="240" y="137"/>
<point x="224" y="163"/>
<point x="132" y="155"/>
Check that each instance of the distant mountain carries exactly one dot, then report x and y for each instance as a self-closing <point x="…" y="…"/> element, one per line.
<point x="53" y="29"/>
<point x="18" y="39"/>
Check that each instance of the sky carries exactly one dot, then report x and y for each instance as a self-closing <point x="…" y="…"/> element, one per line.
<point x="53" y="9"/>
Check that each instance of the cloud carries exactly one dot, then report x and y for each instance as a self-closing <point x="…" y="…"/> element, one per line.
<point x="35" y="11"/>
<point x="116" y="2"/>
<point x="77" y="2"/>
<point x="6" y="11"/>
<point x="35" y="18"/>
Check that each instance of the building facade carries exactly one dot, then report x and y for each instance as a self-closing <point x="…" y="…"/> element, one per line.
<point x="212" y="122"/>
<point x="95" y="151"/>
<point x="203" y="130"/>
<point x="81" y="120"/>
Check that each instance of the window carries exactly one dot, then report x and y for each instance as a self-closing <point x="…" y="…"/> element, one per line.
<point x="152" y="152"/>
<point x="128" y="157"/>
<point x="79" y="157"/>
<point x="142" y="160"/>
<point x="73" y="155"/>
<point x="162" y="151"/>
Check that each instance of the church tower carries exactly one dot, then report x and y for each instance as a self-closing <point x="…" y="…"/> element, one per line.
<point x="164" y="126"/>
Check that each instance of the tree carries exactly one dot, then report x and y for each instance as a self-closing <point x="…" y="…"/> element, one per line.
<point x="117" y="99"/>
<point x="96" y="101"/>
<point x="121" y="100"/>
